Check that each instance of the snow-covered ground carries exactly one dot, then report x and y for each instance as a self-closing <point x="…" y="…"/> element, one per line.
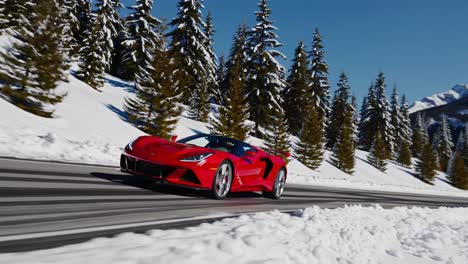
<point x="89" y="127"/>
<point x="345" y="235"/>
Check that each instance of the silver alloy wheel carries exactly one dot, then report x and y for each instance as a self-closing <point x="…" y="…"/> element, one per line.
<point x="280" y="182"/>
<point x="223" y="180"/>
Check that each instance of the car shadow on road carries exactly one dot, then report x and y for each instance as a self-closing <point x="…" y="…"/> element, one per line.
<point x="162" y="188"/>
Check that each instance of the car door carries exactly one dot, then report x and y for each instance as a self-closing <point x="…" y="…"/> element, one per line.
<point x="248" y="166"/>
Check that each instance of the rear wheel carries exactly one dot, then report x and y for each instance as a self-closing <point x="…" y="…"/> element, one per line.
<point x="222" y="180"/>
<point x="278" y="185"/>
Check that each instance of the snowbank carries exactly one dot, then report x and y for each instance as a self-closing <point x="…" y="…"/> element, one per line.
<point x="90" y="127"/>
<point x="345" y="235"/>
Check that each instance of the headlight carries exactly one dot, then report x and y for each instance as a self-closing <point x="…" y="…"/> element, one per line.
<point x="130" y="145"/>
<point x="197" y="158"/>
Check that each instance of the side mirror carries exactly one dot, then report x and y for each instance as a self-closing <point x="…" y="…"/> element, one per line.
<point x="249" y="153"/>
<point x="174" y="138"/>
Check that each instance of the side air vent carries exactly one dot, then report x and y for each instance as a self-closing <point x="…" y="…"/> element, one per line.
<point x="189" y="176"/>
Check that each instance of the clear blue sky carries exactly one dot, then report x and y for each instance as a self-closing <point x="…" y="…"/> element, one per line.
<point x="421" y="45"/>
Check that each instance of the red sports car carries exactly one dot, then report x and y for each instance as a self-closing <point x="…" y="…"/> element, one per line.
<point x="206" y="162"/>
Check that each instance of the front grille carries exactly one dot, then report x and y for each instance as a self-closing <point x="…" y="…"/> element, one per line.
<point x="131" y="164"/>
<point x="152" y="169"/>
<point x="123" y="162"/>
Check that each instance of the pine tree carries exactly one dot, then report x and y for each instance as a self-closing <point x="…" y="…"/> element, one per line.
<point x="155" y="109"/>
<point x="378" y="153"/>
<point x="221" y="80"/>
<point x="199" y="103"/>
<point x="277" y="135"/>
<point x="355" y="121"/>
<point x="444" y="143"/>
<point x="396" y="121"/>
<point x="296" y="90"/>
<point x="344" y="147"/>
<point x="319" y="85"/>
<point x="97" y="50"/>
<point x="458" y="172"/>
<point x="32" y="67"/>
<point x="419" y="137"/>
<point x="405" y="134"/>
<point x="233" y="113"/>
<point x="266" y="74"/>
<point x="404" y="154"/>
<point x="12" y="12"/>
<point x="426" y="166"/>
<point x="339" y="109"/>
<point x="142" y="36"/>
<point x="367" y="122"/>
<point x="382" y="115"/>
<point x="405" y="125"/>
<point x="75" y="18"/>
<point x="309" y="147"/>
<point x="188" y="48"/>
<point x="212" y="60"/>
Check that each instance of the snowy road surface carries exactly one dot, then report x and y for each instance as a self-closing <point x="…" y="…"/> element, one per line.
<point x="45" y="205"/>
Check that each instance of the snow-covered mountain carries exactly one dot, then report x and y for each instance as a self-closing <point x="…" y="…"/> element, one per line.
<point x="456" y="93"/>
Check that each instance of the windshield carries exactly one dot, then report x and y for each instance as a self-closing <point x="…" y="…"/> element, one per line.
<point x="212" y="142"/>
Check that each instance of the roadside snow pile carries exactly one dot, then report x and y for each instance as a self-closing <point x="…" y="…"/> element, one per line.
<point x="345" y="235"/>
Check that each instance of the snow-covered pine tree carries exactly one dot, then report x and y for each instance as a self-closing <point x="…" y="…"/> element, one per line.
<point x="277" y="135"/>
<point x="222" y="86"/>
<point x="405" y="124"/>
<point x="339" y="109"/>
<point x="344" y="147"/>
<point x="72" y="13"/>
<point x="294" y="94"/>
<point x="265" y="73"/>
<point x="383" y="117"/>
<point x="143" y="33"/>
<point x="234" y="111"/>
<point x="212" y="59"/>
<point x="419" y="137"/>
<point x="32" y="67"/>
<point x="367" y="122"/>
<point x="458" y="171"/>
<point x="462" y="145"/>
<point x="319" y="84"/>
<point x="12" y="12"/>
<point x="426" y="165"/>
<point x="405" y="132"/>
<point x="310" y="146"/>
<point x="188" y="47"/>
<point x="96" y="53"/>
<point x="3" y="16"/>
<point x="444" y="143"/>
<point x="82" y="12"/>
<point x="355" y="121"/>
<point x="155" y="109"/>
<point x="396" y="121"/>
<point x="378" y="153"/>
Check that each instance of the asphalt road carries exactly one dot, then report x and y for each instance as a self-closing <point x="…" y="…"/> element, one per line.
<point x="44" y="204"/>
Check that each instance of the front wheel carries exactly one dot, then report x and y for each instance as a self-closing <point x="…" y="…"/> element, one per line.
<point x="278" y="185"/>
<point x="222" y="180"/>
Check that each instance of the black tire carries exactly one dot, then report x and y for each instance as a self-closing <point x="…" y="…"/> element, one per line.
<point x="275" y="194"/>
<point x="217" y="191"/>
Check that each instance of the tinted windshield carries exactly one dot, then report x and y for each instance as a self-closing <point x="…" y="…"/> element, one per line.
<point x="213" y="142"/>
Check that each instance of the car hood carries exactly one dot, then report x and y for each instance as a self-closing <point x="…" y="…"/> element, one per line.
<point x="165" y="151"/>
